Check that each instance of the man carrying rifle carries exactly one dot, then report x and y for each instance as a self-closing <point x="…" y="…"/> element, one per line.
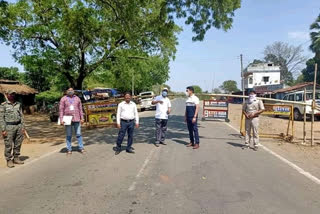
<point x="12" y="128"/>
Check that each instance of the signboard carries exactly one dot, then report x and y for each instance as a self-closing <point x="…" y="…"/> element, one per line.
<point x="277" y="109"/>
<point x="215" y="109"/>
<point x="216" y="114"/>
<point x="101" y="113"/>
<point x="215" y="103"/>
<point x="102" y="119"/>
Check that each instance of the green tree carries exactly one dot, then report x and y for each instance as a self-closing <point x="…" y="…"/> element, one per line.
<point x="216" y="91"/>
<point x="229" y="86"/>
<point x="308" y="72"/>
<point x="11" y="73"/>
<point x="289" y="57"/>
<point x="76" y="38"/>
<point x="197" y="89"/>
<point x="315" y="37"/>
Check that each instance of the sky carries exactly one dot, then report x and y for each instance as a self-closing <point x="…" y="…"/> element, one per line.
<point x="257" y="24"/>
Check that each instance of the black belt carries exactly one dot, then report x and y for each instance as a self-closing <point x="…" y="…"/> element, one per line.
<point x="13" y="123"/>
<point x="127" y="121"/>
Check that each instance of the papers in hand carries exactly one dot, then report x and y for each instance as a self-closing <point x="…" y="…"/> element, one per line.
<point x="67" y="120"/>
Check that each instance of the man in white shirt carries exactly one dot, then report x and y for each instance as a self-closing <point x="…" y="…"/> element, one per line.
<point x="127" y="119"/>
<point x="163" y="109"/>
<point x="191" y="117"/>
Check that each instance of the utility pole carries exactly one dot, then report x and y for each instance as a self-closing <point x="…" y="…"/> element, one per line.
<point x="242" y="78"/>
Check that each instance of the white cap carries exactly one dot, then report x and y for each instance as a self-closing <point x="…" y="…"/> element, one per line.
<point x="165" y="89"/>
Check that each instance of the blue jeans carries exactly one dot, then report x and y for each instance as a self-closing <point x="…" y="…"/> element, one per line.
<point x="126" y="127"/>
<point x="193" y="131"/>
<point x="77" y="129"/>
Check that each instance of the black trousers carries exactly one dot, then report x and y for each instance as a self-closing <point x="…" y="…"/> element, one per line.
<point x="126" y="127"/>
<point x="161" y="129"/>
<point x="193" y="131"/>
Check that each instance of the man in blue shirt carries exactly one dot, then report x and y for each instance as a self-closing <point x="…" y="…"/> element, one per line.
<point x="191" y="117"/>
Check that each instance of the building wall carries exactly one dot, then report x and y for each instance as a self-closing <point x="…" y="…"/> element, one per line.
<point x="258" y="79"/>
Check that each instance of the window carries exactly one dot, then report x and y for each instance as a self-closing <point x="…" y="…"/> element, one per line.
<point x="291" y="97"/>
<point x="265" y="79"/>
<point x="250" y="80"/>
<point x="270" y="64"/>
<point x="285" y="97"/>
<point x="309" y="96"/>
<point x="299" y="97"/>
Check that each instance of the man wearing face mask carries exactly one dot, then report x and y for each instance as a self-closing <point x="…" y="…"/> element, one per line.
<point x="70" y="105"/>
<point x="12" y="127"/>
<point x="163" y="109"/>
<point x="191" y="117"/>
<point x="252" y="109"/>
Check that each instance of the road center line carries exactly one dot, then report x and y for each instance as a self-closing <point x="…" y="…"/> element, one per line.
<point x="144" y="165"/>
<point x="292" y="165"/>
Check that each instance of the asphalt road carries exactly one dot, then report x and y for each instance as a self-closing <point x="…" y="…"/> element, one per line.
<point x="220" y="177"/>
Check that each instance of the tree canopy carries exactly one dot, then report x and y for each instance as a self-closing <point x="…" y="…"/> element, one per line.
<point x="289" y="57"/>
<point x="229" y="86"/>
<point x="10" y="73"/>
<point x="197" y="89"/>
<point x="315" y="37"/>
<point x="76" y="38"/>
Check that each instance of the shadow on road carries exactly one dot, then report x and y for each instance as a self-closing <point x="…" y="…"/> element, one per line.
<point x="177" y="131"/>
<point x="236" y="144"/>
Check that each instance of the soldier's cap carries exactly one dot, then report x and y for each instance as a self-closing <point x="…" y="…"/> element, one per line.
<point x="165" y="89"/>
<point x="11" y="91"/>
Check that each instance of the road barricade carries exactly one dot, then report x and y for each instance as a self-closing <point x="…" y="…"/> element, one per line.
<point x="100" y="114"/>
<point x="275" y="110"/>
<point x="215" y="110"/>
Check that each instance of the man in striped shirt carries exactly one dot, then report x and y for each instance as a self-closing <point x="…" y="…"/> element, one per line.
<point x="70" y="105"/>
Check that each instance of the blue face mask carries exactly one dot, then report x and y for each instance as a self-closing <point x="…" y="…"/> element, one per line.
<point x="164" y="93"/>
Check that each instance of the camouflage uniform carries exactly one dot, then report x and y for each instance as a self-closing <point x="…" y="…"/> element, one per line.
<point x="11" y="121"/>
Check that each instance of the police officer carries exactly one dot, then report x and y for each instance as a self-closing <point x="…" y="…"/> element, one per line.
<point x="252" y="109"/>
<point x="12" y="127"/>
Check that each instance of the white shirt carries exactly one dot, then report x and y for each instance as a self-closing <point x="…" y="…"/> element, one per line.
<point x="127" y="111"/>
<point x="162" y="109"/>
<point x="193" y="99"/>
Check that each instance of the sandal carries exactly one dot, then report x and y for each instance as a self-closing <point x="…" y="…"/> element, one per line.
<point x="69" y="153"/>
<point x="82" y="151"/>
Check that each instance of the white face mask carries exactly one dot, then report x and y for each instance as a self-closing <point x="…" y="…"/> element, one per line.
<point x="187" y="94"/>
<point x="252" y="97"/>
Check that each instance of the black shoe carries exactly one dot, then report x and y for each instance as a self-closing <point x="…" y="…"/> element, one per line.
<point x="163" y="143"/>
<point x="118" y="150"/>
<point x="132" y="148"/>
<point x="156" y="144"/>
<point x="130" y="151"/>
<point x="255" y="148"/>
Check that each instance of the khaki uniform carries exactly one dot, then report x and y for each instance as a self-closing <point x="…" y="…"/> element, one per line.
<point x="11" y="121"/>
<point x="252" y="123"/>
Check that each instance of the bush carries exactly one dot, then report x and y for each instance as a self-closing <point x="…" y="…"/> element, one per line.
<point x="49" y="97"/>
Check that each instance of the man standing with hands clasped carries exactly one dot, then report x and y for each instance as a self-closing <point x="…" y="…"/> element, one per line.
<point x="252" y="109"/>
<point x="12" y="127"/>
<point x="163" y="109"/>
<point x="70" y="106"/>
<point x="191" y="117"/>
<point x="127" y="119"/>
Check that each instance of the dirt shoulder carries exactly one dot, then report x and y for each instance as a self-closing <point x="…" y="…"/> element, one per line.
<point x="304" y="156"/>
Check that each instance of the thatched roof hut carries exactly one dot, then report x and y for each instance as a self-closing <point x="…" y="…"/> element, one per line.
<point x="21" y="89"/>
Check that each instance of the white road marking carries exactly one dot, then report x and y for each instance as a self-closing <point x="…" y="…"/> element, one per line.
<point x="144" y="165"/>
<point x="8" y="171"/>
<point x="292" y="165"/>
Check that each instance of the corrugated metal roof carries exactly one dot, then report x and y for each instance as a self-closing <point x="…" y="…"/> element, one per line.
<point x="293" y="88"/>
